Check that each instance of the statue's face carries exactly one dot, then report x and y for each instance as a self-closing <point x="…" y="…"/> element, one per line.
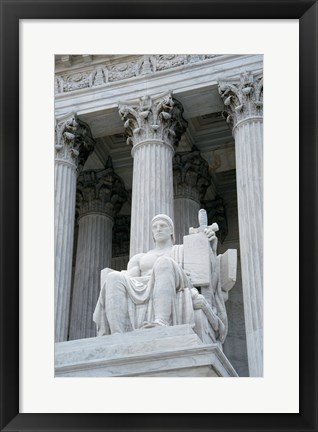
<point x="161" y="230"/>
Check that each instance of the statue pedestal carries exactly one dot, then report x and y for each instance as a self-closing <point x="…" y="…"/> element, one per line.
<point x="162" y="351"/>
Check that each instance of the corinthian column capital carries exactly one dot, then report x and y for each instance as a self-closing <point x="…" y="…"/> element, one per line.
<point x="191" y="176"/>
<point x="73" y="141"/>
<point x="100" y="191"/>
<point x="243" y="99"/>
<point x="153" y="118"/>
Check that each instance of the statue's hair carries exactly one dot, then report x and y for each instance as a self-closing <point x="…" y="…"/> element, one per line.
<point x="166" y="219"/>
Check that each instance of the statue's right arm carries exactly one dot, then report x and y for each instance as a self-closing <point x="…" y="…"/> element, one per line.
<point x="133" y="267"/>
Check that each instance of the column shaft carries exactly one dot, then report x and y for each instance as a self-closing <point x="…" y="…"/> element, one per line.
<point x="94" y="253"/>
<point x="154" y="125"/>
<point x="152" y="191"/>
<point x="65" y="189"/>
<point x="185" y="216"/>
<point x="243" y="100"/>
<point x="249" y="171"/>
<point x="73" y="144"/>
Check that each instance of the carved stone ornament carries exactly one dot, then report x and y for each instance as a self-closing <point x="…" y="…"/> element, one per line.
<point x="122" y="71"/>
<point x="153" y="118"/>
<point x="158" y="287"/>
<point x="100" y="191"/>
<point x="147" y="65"/>
<point x="190" y="175"/>
<point x="243" y="99"/>
<point x="104" y="74"/>
<point x="75" y="81"/>
<point x="99" y="76"/>
<point x="169" y="61"/>
<point x="73" y="141"/>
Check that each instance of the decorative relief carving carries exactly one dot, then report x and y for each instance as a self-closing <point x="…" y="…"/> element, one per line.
<point x="242" y="99"/>
<point x="195" y="58"/>
<point x="101" y="191"/>
<point x="190" y="175"/>
<point x="122" y="71"/>
<point x="103" y="74"/>
<point x="169" y="61"/>
<point x="147" y="65"/>
<point x="75" y="81"/>
<point x="99" y="76"/>
<point x="148" y="118"/>
<point x="73" y="141"/>
<point x="217" y="213"/>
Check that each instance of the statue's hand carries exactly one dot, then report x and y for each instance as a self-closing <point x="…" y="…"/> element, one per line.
<point x="210" y="232"/>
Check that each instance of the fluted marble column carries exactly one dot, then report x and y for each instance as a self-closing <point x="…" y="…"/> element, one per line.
<point x="100" y="194"/>
<point x="154" y="126"/>
<point x="244" y="105"/>
<point x="73" y="143"/>
<point x="190" y="181"/>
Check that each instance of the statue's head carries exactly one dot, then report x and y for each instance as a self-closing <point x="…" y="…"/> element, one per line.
<point x="167" y="220"/>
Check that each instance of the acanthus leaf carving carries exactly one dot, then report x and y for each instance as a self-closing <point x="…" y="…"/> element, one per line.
<point x="190" y="175"/>
<point x="101" y="191"/>
<point x="73" y="141"/>
<point x="149" y="118"/>
<point x="242" y="99"/>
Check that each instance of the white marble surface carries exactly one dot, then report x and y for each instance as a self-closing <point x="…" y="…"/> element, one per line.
<point x="168" y="351"/>
<point x="152" y="191"/>
<point x="194" y="76"/>
<point x="93" y="253"/>
<point x="243" y="100"/>
<point x="154" y="125"/>
<point x="228" y="269"/>
<point x="249" y="169"/>
<point x="65" y="189"/>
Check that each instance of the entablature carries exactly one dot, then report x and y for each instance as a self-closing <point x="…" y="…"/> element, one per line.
<point x="100" y="83"/>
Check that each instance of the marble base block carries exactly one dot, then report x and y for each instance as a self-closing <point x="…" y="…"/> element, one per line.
<point x="166" y="351"/>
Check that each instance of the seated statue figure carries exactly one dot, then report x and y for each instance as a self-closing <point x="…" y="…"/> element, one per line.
<point x="154" y="290"/>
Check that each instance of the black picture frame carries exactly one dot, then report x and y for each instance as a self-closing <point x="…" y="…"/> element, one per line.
<point x="11" y="12"/>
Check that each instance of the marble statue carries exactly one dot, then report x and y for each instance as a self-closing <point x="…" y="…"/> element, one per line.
<point x="155" y="290"/>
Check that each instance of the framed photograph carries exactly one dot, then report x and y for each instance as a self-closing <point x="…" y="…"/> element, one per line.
<point x="50" y="55"/>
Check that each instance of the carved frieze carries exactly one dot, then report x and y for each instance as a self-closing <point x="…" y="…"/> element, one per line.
<point x="99" y="76"/>
<point x="147" y="65"/>
<point x="153" y="118"/>
<point x="122" y="71"/>
<point x="190" y="175"/>
<point x="74" y="81"/>
<point x="108" y="73"/>
<point x="100" y="191"/>
<point x="73" y="141"/>
<point x="169" y="61"/>
<point x="242" y="99"/>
